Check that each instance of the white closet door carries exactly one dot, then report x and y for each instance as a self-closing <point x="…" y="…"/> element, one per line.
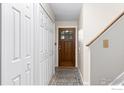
<point x="43" y="46"/>
<point x="17" y="44"/>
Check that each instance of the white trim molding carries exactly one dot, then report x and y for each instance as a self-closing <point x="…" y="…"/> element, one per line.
<point x="81" y="75"/>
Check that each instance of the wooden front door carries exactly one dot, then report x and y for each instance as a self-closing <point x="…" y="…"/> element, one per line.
<point x="67" y="47"/>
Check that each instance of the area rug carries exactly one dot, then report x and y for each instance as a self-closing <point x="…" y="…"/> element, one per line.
<point x="66" y="76"/>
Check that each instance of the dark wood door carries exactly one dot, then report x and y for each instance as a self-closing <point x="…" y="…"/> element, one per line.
<point x="67" y="47"/>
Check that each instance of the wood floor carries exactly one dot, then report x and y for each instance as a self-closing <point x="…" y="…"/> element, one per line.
<point x="66" y="76"/>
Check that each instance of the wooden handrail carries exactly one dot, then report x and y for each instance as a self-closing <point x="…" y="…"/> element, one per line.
<point x="114" y="21"/>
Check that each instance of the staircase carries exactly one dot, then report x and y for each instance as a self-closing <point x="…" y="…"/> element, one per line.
<point x="107" y="53"/>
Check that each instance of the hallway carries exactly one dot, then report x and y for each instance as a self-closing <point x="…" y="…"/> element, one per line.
<point x="61" y="43"/>
<point x="66" y="76"/>
<point x="31" y="49"/>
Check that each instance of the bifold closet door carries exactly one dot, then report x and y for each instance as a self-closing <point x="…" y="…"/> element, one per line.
<point x="17" y="44"/>
<point x="44" y="66"/>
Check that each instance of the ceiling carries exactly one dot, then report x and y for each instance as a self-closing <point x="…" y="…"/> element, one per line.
<point x="66" y="11"/>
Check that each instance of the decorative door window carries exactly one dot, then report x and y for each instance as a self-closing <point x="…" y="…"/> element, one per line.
<point x="66" y="35"/>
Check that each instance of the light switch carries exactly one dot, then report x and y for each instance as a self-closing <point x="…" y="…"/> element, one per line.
<point x="105" y="43"/>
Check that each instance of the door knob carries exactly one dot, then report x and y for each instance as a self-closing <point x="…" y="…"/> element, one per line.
<point x="59" y="48"/>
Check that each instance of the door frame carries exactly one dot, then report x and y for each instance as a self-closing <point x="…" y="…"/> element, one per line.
<point x="57" y="44"/>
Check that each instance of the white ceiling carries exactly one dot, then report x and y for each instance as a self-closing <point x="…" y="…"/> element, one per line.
<point x="66" y="11"/>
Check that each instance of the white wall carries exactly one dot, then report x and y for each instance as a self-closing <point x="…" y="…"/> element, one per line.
<point x="95" y="18"/>
<point x="80" y="43"/>
<point x="98" y="16"/>
<point x="65" y="24"/>
<point x="108" y="63"/>
<point x="0" y="43"/>
<point x="48" y="10"/>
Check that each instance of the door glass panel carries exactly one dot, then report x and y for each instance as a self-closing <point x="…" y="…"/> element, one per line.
<point x="62" y="37"/>
<point x="62" y="33"/>
<point x="67" y="35"/>
<point x="70" y="35"/>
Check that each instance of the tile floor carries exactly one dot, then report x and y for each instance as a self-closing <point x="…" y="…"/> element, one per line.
<point x="66" y="76"/>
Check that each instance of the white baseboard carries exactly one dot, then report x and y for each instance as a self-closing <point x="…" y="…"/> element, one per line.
<point x="80" y="74"/>
<point x="84" y="83"/>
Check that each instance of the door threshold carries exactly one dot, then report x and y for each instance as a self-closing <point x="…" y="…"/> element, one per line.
<point x="62" y="67"/>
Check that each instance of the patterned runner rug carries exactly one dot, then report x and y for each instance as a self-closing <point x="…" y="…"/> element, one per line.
<point x="66" y="76"/>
